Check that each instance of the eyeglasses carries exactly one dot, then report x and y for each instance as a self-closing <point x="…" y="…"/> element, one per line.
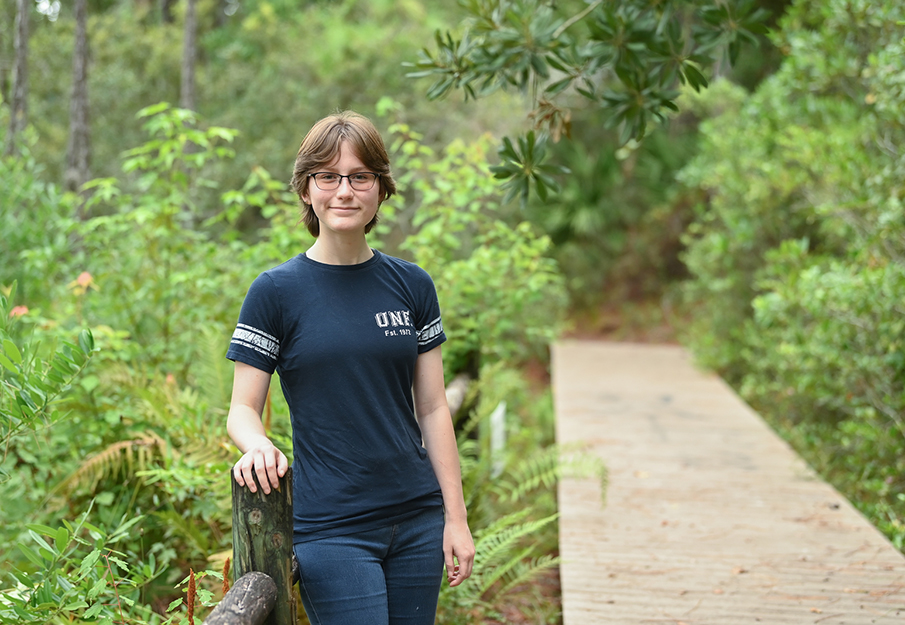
<point x="360" y="181"/>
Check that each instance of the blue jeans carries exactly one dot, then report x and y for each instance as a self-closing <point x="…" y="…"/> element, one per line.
<point x="387" y="576"/>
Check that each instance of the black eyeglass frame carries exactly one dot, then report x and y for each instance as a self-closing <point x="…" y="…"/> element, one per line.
<point x="348" y="177"/>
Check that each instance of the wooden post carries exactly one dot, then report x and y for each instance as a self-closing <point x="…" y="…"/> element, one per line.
<point x="262" y="541"/>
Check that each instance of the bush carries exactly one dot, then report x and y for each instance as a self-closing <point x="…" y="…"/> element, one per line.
<point x="798" y="256"/>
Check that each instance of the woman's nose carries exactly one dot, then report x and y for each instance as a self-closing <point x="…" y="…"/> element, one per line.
<point x="345" y="187"/>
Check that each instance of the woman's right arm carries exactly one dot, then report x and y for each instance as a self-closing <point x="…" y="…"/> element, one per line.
<point x="260" y="456"/>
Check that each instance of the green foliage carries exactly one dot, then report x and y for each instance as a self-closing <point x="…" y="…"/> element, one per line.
<point x="503" y="297"/>
<point x="798" y="256"/>
<point x="33" y="380"/>
<point x="140" y="440"/>
<point x="77" y="572"/>
<point x="35" y="220"/>
<point x="249" y="75"/>
<point x="525" y="165"/>
<point x="615" y="223"/>
<point x="172" y="292"/>
<point x="626" y="58"/>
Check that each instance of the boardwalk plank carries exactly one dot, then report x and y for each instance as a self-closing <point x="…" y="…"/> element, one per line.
<point x="711" y="519"/>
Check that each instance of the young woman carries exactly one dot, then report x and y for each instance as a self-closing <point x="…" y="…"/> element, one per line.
<point x="355" y="336"/>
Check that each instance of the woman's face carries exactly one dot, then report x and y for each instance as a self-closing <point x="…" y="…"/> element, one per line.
<point x="343" y="210"/>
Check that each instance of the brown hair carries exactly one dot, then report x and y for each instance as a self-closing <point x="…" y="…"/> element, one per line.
<point x="321" y="145"/>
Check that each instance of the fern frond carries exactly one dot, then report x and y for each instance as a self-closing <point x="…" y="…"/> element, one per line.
<point x="536" y="471"/>
<point x="212" y="372"/>
<point x="467" y="429"/>
<point x="124" y="458"/>
<point x="491" y="574"/>
<point x="524" y="572"/>
<point x="496" y="541"/>
<point x="578" y="463"/>
<point x="545" y="469"/>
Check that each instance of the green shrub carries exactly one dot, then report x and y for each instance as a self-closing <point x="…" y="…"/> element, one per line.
<point x="798" y="255"/>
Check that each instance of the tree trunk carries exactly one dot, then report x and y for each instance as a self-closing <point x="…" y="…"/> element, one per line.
<point x="166" y="11"/>
<point x="189" y="54"/>
<point x="18" y="114"/>
<point x="78" y="152"/>
<point x="220" y="13"/>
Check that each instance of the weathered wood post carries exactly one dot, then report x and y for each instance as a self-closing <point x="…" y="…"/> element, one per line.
<point x="262" y="541"/>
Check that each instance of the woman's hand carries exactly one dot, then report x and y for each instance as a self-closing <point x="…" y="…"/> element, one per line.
<point x="458" y="551"/>
<point x="265" y="461"/>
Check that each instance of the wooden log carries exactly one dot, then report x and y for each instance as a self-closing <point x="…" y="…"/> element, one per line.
<point x="249" y="602"/>
<point x="262" y="541"/>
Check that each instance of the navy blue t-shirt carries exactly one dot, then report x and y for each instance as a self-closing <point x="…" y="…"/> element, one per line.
<point x="344" y="340"/>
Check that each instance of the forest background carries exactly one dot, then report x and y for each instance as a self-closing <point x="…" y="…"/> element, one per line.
<point x="762" y="225"/>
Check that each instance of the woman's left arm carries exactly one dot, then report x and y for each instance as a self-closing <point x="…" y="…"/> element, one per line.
<point x="440" y="442"/>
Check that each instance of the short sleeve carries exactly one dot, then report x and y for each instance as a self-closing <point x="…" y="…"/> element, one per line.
<point x="428" y="322"/>
<point x="256" y="339"/>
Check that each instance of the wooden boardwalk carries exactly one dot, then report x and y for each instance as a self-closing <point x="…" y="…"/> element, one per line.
<point x="710" y="518"/>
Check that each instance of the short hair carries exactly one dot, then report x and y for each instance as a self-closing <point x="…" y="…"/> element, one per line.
<point x="321" y="145"/>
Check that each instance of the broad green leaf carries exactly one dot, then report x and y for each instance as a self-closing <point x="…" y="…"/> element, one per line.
<point x="42" y="529"/>
<point x="7" y="364"/>
<point x="31" y="554"/>
<point x="12" y="351"/>
<point x="86" y="341"/>
<point x="61" y="538"/>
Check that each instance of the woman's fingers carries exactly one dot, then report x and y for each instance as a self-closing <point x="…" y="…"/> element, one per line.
<point x="268" y="465"/>
<point x="458" y="552"/>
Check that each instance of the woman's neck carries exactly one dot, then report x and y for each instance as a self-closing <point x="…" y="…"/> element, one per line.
<point x="339" y="251"/>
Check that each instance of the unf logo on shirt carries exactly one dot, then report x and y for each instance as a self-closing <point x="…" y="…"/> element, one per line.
<point x="399" y="320"/>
